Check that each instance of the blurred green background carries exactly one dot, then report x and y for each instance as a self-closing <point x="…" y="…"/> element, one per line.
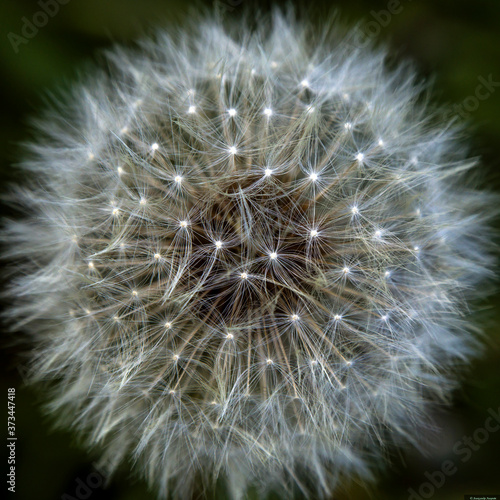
<point x="455" y="42"/>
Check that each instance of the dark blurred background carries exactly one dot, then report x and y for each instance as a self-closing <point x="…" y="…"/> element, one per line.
<point x="456" y="42"/>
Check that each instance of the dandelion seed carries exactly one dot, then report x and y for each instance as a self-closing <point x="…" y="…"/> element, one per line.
<point x="192" y="109"/>
<point x="120" y="170"/>
<point x="268" y="172"/>
<point x="168" y="325"/>
<point x="157" y="256"/>
<point x="232" y="112"/>
<point x="244" y="276"/>
<point x="233" y="150"/>
<point x="183" y="223"/>
<point x="295" y="317"/>
<point x="218" y="244"/>
<point x="268" y="112"/>
<point x="355" y="210"/>
<point x="155" y="146"/>
<point x="273" y="255"/>
<point x="313" y="177"/>
<point x="348" y="126"/>
<point x="178" y="179"/>
<point x="313" y="233"/>
<point x="304" y="83"/>
<point x="360" y="157"/>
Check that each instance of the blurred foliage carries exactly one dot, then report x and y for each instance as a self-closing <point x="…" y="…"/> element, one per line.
<point x="453" y="41"/>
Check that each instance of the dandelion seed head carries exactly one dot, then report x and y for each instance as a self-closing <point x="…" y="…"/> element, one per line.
<point x="290" y="352"/>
